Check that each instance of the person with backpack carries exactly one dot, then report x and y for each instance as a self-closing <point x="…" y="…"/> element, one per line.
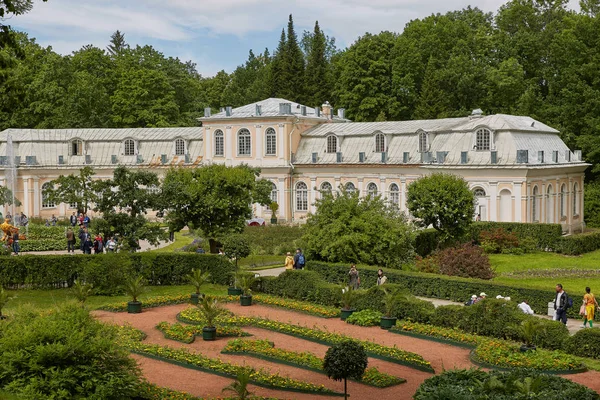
<point x="562" y="303"/>
<point x="98" y="244"/>
<point x="299" y="260"/>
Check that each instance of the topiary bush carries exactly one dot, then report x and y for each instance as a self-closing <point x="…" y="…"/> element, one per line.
<point x="365" y="318"/>
<point x="491" y="317"/>
<point x="429" y="264"/>
<point x="466" y="260"/>
<point x="498" y="240"/>
<point x="584" y="343"/>
<point x="107" y="274"/>
<point x="447" y="316"/>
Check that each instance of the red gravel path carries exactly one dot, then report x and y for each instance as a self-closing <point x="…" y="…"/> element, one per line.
<point x="203" y="384"/>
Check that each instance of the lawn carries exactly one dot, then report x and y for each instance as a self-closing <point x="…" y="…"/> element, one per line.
<point x="544" y="270"/>
<point x="182" y="239"/>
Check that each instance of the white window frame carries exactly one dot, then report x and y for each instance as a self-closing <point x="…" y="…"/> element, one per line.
<point x="244" y="143"/>
<point x="301" y="197"/>
<point x="483" y="140"/>
<point x="218" y="134"/>
<point x="372" y="189"/>
<point x="326" y="187"/>
<point x="575" y="199"/>
<point x="274" y="196"/>
<point x="45" y="202"/>
<point x="180" y="147"/>
<point x="563" y="201"/>
<point x="270" y="142"/>
<point x="380" y="143"/>
<point x="535" y="209"/>
<point x="479" y="192"/>
<point x="76" y="143"/>
<point x="331" y="145"/>
<point x="423" y="142"/>
<point x="350" y="187"/>
<point x="126" y="144"/>
<point x="394" y="194"/>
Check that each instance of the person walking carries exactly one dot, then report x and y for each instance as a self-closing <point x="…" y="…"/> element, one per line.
<point x="24" y="219"/>
<point x="98" y="245"/>
<point x="53" y="220"/>
<point x="590" y="303"/>
<point x="86" y="220"/>
<point x="81" y="236"/>
<point x="523" y="306"/>
<point x="70" y="241"/>
<point x="15" y="242"/>
<point x="111" y="245"/>
<point x="299" y="260"/>
<point x="87" y="243"/>
<point x="73" y="220"/>
<point x="381" y="279"/>
<point x="354" y="278"/>
<point x="561" y="303"/>
<point x="289" y="261"/>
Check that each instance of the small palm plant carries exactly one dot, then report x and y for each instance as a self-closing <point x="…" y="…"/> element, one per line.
<point x="198" y="278"/>
<point x="81" y="291"/>
<point x="134" y="287"/>
<point x="240" y="386"/>
<point x="390" y="302"/>
<point x="348" y="297"/>
<point x="529" y="330"/>
<point x="4" y="299"/>
<point x="210" y="309"/>
<point x="246" y="282"/>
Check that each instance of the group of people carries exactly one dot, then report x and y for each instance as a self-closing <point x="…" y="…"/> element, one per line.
<point x="88" y="242"/>
<point x="19" y="220"/>
<point x="298" y="261"/>
<point x="80" y="219"/>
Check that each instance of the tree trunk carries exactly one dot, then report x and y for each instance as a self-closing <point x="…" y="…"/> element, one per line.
<point x="345" y="389"/>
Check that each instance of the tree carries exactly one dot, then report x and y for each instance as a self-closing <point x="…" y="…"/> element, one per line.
<point x="6" y="197"/>
<point x="347" y="359"/>
<point x="117" y="44"/>
<point x="317" y="83"/>
<point x="79" y="189"/>
<point x="215" y="199"/>
<point x="347" y="228"/>
<point x="236" y="246"/>
<point x="443" y="201"/>
<point x="124" y="202"/>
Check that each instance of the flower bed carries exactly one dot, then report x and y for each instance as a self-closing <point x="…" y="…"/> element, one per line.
<point x="265" y="350"/>
<point x="187" y="334"/>
<point x="150" y="302"/>
<point x="392" y="354"/>
<point x="443" y="335"/>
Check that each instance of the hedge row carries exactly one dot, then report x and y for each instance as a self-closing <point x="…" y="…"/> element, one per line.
<point x="578" y="244"/>
<point x="107" y="272"/>
<point x="441" y="287"/>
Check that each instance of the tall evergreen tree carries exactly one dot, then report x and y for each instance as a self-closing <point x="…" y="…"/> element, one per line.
<point x="295" y="85"/>
<point x="317" y="83"/>
<point x="117" y="44"/>
<point x="279" y="68"/>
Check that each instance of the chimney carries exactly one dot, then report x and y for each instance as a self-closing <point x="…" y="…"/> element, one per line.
<point x="222" y="109"/>
<point x="303" y="110"/>
<point x="326" y="109"/>
<point x="258" y="110"/>
<point x="317" y="112"/>
<point x="477" y="113"/>
<point x="207" y="112"/>
<point x="342" y="113"/>
<point x="228" y="111"/>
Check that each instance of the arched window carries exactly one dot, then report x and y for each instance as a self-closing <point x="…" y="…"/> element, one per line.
<point x="394" y="194"/>
<point x="244" y="143"/>
<point x="179" y="147"/>
<point x="46" y="203"/>
<point x="535" y="208"/>
<point x="271" y="142"/>
<point x="273" y="193"/>
<point x="479" y="192"/>
<point x="563" y="201"/>
<point x="129" y="147"/>
<point x="326" y="188"/>
<point x="372" y="189"/>
<point x="219" y="143"/>
<point x="153" y="189"/>
<point x="76" y="148"/>
<point x="575" y="199"/>
<point x="483" y="139"/>
<point x="350" y="188"/>
<point x="301" y="197"/>
<point x="423" y="142"/>
<point x="379" y="143"/>
<point x="332" y="144"/>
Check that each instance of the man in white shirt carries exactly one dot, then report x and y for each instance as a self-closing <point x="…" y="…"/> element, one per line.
<point x="525" y="308"/>
<point x="560" y="305"/>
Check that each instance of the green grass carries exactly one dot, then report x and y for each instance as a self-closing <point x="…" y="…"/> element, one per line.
<point x="262" y="260"/>
<point x="181" y="239"/>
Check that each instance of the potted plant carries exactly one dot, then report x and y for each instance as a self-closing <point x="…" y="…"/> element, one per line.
<point x="234" y="290"/>
<point x="210" y="309"/>
<point x="529" y="329"/>
<point x="348" y="297"/>
<point x="274" y="207"/>
<point x="197" y="278"/>
<point x="239" y="387"/>
<point x="134" y="287"/>
<point x="4" y="298"/>
<point x="246" y="282"/>
<point x="81" y="291"/>
<point x="390" y="301"/>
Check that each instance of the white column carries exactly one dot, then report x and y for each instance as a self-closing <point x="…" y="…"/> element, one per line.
<point x="542" y="203"/>
<point x="258" y="152"/>
<point x="382" y="188"/>
<point x="403" y="194"/>
<point x="518" y="186"/>
<point x="493" y="201"/>
<point x="281" y="139"/>
<point x="62" y="209"/>
<point x="208" y="144"/>
<point x="569" y="205"/>
<point x="281" y="197"/>
<point x="337" y="184"/>
<point x="360" y="187"/>
<point x="26" y="196"/>
<point x="36" y="197"/>
<point x="557" y="198"/>
<point x="230" y="145"/>
<point x="313" y="194"/>
<point x="581" y="220"/>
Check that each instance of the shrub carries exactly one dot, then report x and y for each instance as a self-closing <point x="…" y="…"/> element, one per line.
<point x="302" y="285"/>
<point x="426" y="242"/>
<point x="545" y="235"/>
<point x="107" y="274"/>
<point x="273" y="239"/>
<point x="365" y="318"/>
<point x="447" y="316"/>
<point x="345" y="360"/>
<point x="491" y="317"/>
<point x="428" y="264"/>
<point x="578" y="244"/>
<point x="584" y="343"/>
<point x="50" y="355"/>
<point x="466" y="260"/>
<point x="497" y="240"/>
<point x="552" y="335"/>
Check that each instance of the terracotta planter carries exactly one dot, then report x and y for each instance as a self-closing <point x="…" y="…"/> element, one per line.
<point x="346" y="313"/>
<point x="232" y="291"/>
<point x="134" y="307"/>
<point x="209" y="333"/>
<point x="246" y="300"/>
<point x="387" y="322"/>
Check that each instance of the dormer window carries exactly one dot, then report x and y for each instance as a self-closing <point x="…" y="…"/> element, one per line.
<point x="76" y="148"/>
<point x="129" y="147"/>
<point x="423" y="142"/>
<point x="179" y="147"/>
<point x="483" y="139"/>
<point x="379" y="143"/>
<point x="332" y="144"/>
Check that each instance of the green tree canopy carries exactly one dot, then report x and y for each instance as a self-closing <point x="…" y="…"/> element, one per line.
<point x="80" y="189"/>
<point x="347" y="359"/>
<point x="348" y="228"/>
<point x="6" y="197"/>
<point x="443" y="201"/>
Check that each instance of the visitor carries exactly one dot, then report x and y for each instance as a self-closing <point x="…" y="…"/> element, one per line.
<point x="221" y="253"/>
<point x="15" y="241"/>
<point x="8" y="217"/>
<point x="24" y="220"/>
<point x="478" y="217"/>
<point x="299" y="260"/>
<point x="590" y="303"/>
<point x="86" y="220"/>
<point x="81" y="236"/>
<point x="354" y="278"/>
<point x="111" y="245"/>
<point x="561" y="303"/>
<point x="73" y="219"/>
<point x="523" y="306"/>
<point x="70" y="241"/>
<point x="80" y="219"/>
<point x="53" y="220"/>
<point x="289" y="261"/>
<point x="171" y="236"/>
<point x="482" y="296"/>
<point x="381" y="278"/>
<point x="1" y="217"/>
<point x="87" y="242"/>
<point x="47" y="222"/>
<point x="472" y="300"/>
<point x="98" y="245"/>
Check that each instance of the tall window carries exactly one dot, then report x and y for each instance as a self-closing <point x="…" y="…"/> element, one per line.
<point x="350" y="188"/>
<point x="479" y="192"/>
<point x="535" y="209"/>
<point x="273" y="192"/>
<point x="271" y="140"/>
<point x="372" y="189"/>
<point x="129" y="149"/>
<point x="76" y="147"/>
<point x="563" y="200"/>
<point x="483" y="139"/>
<point x="379" y="143"/>
<point x="326" y="188"/>
<point x="244" y="143"/>
<point x="153" y="189"/>
<point x="301" y="197"/>
<point x="179" y="147"/>
<point x="423" y="142"/>
<point x="219" y="143"/>
<point x="46" y="203"/>
<point x="394" y="194"/>
<point x="332" y="144"/>
<point x="575" y="203"/>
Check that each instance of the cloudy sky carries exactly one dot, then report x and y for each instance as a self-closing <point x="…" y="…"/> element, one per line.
<point x="217" y="34"/>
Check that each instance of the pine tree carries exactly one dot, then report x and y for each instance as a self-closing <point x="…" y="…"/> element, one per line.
<point x="279" y="69"/>
<point x="433" y="102"/>
<point x="117" y="44"/>
<point x="294" y="90"/>
<point x="317" y="81"/>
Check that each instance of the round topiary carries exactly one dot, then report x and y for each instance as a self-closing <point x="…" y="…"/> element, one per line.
<point x="347" y="359"/>
<point x="584" y="343"/>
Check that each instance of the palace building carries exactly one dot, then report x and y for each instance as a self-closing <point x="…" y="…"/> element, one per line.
<point x="519" y="168"/>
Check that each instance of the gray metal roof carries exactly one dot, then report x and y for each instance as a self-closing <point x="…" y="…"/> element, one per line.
<point x="60" y="135"/>
<point x="270" y="108"/>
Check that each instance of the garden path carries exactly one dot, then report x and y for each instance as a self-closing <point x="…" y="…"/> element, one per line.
<point x="143" y="244"/>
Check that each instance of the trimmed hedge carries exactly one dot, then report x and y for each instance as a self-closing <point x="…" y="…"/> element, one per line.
<point x="107" y="271"/>
<point x="584" y="343"/>
<point x="575" y="245"/>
